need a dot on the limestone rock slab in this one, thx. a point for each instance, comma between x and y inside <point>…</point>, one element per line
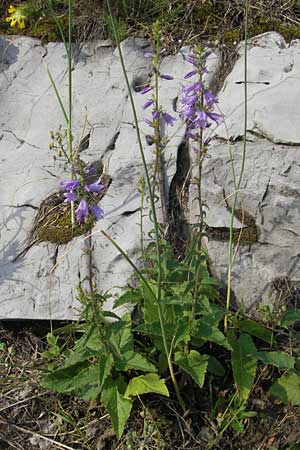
<point>273,93</point>
<point>43,283</point>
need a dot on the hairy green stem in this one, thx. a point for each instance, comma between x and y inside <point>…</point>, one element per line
<point>159,157</point>
<point>238,184</point>
<point>155,222</point>
<point>200,222</point>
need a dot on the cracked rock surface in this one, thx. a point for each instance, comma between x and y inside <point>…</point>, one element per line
<point>43,283</point>
<point>270,187</point>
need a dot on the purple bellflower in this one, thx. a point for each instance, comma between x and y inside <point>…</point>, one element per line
<point>70,196</point>
<point>97,212</point>
<point>70,185</point>
<point>148,103</point>
<point>146,89</point>
<point>94,187</point>
<point>166,77</point>
<point>198,103</point>
<point>169,120</point>
<point>82,212</point>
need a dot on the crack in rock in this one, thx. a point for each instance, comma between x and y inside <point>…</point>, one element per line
<point>21,141</point>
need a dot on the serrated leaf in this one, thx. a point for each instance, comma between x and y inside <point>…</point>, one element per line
<point>177,300</point>
<point>182,334</point>
<point>77,357</point>
<point>150,308</point>
<point>117,406</point>
<point>194,364</point>
<point>61,380</point>
<point>131,296</point>
<point>119,336</point>
<point>105,365</point>
<point>81,379</point>
<point>89,384</point>
<point>278,359</point>
<point>150,383</point>
<point>287,389</point>
<point>290,317</point>
<point>90,340</point>
<point>243,364</point>
<point>134,360</point>
<point>205,331</point>
<point>215,367</point>
<point>257,330</point>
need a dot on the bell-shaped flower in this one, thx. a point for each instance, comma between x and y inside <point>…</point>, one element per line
<point>82,212</point>
<point>166,77</point>
<point>168,119</point>
<point>97,212</point>
<point>146,89</point>
<point>148,103</point>
<point>70,185</point>
<point>201,119</point>
<point>70,197</point>
<point>94,187</point>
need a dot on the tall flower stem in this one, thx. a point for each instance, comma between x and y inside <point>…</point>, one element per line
<point>238,184</point>
<point>67,114</point>
<point>158,297</point>
<point>69,131</point>
<point>158,129</point>
<point>201,225</point>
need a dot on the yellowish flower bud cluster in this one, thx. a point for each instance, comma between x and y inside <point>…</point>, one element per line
<point>16,17</point>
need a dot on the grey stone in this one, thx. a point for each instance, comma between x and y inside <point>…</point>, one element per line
<point>43,283</point>
<point>270,185</point>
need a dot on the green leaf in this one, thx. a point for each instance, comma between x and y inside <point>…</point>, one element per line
<point>150,308</point>
<point>237,426</point>
<point>295,446</point>
<point>117,406</point>
<point>287,389</point>
<point>257,330</point>
<point>134,360</point>
<point>119,336</point>
<point>278,359</point>
<point>105,366</point>
<point>182,334</point>
<point>90,340</point>
<point>207,332</point>
<point>297,365</point>
<point>243,364</point>
<point>290,317</point>
<point>130,296</point>
<point>61,380</point>
<point>177,300</point>
<point>88,386</point>
<point>215,367</point>
<point>194,364</point>
<point>81,379</point>
<point>150,383</point>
